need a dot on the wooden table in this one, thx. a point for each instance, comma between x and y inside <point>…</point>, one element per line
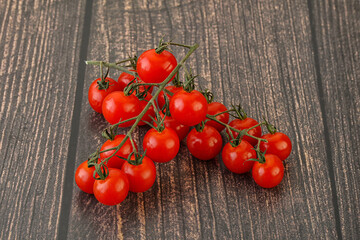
<point>295,62</point>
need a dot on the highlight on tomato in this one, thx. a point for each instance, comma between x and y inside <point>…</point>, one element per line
<point>162,144</point>
<point>205,143</point>
<point>84,177</point>
<point>99,89</point>
<point>141,173</point>
<point>155,67</point>
<point>112,190</point>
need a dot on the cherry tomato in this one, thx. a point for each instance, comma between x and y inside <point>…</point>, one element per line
<point>114,189</point>
<point>84,177</point>
<point>278,144</point>
<point>155,67</point>
<point>141,177</point>
<point>149,113</point>
<point>181,130</point>
<point>117,106</point>
<point>125,78</point>
<point>204,145</point>
<point>215,108</point>
<point>96,96</point>
<point>270,173</point>
<point>235,158</point>
<point>161,146</point>
<point>245,124</point>
<point>124,151</point>
<point>161,97</point>
<point>188,108</point>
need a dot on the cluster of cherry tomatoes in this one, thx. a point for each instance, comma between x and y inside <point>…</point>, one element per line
<point>179,112</point>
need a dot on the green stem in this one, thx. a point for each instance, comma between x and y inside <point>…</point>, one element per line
<point>112,65</point>
<point>161,87</point>
<point>234,129</point>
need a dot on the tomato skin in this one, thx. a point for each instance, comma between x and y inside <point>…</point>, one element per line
<point>204,145</point>
<point>161,97</point>
<point>235,158</point>
<point>125,78</point>
<point>141,177</point>
<point>96,96</point>
<point>155,67</point>
<point>124,151</point>
<point>270,173</point>
<point>117,106</point>
<point>161,146</point>
<point>149,113</point>
<point>188,108</point>
<point>181,130</point>
<point>114,189</point>
<point>278,144</point>
<point>84,177</point>
<point>245,124</point>
<point>215,108</point>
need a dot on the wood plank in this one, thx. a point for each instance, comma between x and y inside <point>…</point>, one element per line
<point>256,52</point>
<point>39,44</point>
<point>336,28</point>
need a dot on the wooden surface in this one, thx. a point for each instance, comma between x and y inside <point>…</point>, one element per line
<point>295,62</point>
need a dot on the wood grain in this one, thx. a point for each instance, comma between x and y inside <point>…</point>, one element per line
<point>39,44</point>
<point>258,52</point>
<point>337,35</point>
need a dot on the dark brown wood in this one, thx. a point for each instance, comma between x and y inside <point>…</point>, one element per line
<point>295,62</point>
<point>39,44</point>
<point>337,33</point>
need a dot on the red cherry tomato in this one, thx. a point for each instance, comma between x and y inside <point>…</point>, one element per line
<point>204,145</point>
<point>117,106</point>
<point>181,130</point>
<point>235,158</point>
<point>161,97</point>
<point>245,124</point>
<point>114,189</point>
<point>141,177</point>
<point>84,177</point>
<point>149,113</point>
<point>125,78</point>
<point>96,96</point>
<point>161,146</point>
<point>124,151</point>
<point>155,67</point>
<point>270,173</point>
<point>188,108</point>
<point>215,108</point>
<point>278,144</point>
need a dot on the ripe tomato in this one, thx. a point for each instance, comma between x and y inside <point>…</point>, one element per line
<point>235,158</point>
<point>84,177</point>
<point>215,108</point>
<point>161,146</point>
<point>245,124</point>
<point>141,177</point>
<point>117,106</point>
<point>188,108</point>
<point>125,78</point>
<point>161,98</point>
<point>114,189</point>
<point>181,130</point>
<point>155,67</point>
<point>270,173</point>
<point>278,144</point>
<point>96,96</point>
<point>206,144</point>
<point>149,113</point>
<point>124,151</point>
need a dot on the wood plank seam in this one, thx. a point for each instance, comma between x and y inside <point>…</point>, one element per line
<point>325,123</point>
<point>66,198</point>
